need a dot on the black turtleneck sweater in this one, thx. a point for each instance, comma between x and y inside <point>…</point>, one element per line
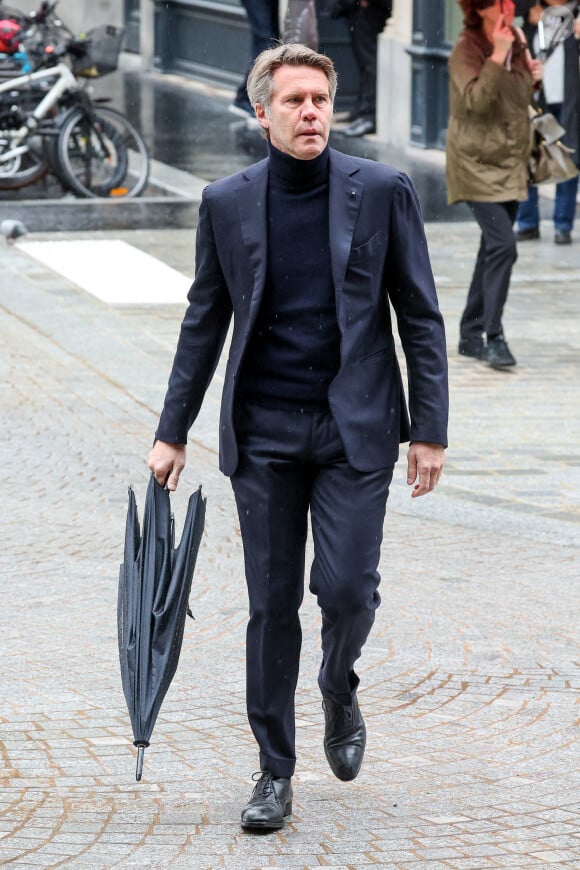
<point>294,350</point>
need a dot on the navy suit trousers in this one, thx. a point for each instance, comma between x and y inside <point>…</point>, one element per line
<point>293,462</point>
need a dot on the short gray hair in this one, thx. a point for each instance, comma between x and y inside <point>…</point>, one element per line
<point>260,84</point>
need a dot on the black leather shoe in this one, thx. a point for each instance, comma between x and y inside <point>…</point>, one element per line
<point>499,355</point>
<point>345,738</point>
<point>474,347</point>
<point>360,127</point>
<point>528,235</point>
<point>270,803</point>
<point>563,237</point>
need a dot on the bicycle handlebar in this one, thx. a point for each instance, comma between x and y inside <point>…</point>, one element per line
<point>74,47</point>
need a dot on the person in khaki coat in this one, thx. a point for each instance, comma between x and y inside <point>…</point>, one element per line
<point>491,80</point>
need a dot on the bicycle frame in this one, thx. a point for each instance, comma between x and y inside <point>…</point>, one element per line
<point>64,83</point>
<point>92,150</point>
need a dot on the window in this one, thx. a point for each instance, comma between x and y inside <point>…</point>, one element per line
<point>453,21</point>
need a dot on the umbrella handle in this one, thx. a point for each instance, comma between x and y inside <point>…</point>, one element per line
<point>140,756</point>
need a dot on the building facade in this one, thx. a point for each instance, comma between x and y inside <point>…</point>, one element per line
<point>413,99</point>
<point>81,15</point>
<point>208,40</point>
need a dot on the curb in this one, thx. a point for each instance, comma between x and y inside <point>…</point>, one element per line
<point>173,200</point>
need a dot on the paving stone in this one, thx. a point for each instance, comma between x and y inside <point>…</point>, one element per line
<point>469,680</point>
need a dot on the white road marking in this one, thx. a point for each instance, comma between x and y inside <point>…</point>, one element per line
<point>112,270</point>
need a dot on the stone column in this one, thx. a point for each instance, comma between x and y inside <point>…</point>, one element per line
<point>394,76</point>
<point>147,33</point>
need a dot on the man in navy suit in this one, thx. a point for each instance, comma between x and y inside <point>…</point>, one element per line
<point>306,250</point>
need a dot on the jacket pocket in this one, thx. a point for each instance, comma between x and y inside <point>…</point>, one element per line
<point>376,355</point>
<point>368,249</point>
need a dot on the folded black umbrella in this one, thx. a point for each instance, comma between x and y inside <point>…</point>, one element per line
<point>154,588</point>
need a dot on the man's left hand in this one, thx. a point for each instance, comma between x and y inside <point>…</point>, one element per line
<point>425,463</point>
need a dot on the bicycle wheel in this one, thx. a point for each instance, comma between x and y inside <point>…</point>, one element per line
<point>24,168</point>
<point>101,155</point>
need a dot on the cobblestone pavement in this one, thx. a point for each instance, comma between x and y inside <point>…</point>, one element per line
<point>470,678</point>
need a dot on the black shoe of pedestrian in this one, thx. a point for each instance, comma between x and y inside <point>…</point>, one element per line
<point>499,355</point>
<point>528,235</point>
<point>360,127</point>
<point>563,237</point>
<point>474,347</point>
<point>344,738</point>
<point>270,804</point>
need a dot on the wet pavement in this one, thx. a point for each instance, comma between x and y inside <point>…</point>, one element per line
<point>187,125</point>
<point>470,678</point>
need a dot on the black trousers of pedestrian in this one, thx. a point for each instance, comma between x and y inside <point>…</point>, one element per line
<point>365,23</point>
<point>293,462</point>
<point>491,277</point>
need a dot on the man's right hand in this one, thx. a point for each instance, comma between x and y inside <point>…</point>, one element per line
<point>167,461</point>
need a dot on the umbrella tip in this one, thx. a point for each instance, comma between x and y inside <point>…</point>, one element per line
<point>140,757</point>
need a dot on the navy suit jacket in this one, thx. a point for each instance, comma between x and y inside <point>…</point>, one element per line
<point>378,253</point>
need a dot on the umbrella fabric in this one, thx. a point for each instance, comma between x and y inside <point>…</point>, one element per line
<point>154,586</point>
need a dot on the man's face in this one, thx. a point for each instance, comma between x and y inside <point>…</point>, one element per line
<point>298,117</point>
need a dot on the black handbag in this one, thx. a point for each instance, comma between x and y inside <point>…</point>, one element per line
<point>550,161</point>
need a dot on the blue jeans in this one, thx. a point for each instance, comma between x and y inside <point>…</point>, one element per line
<point>564,206</point>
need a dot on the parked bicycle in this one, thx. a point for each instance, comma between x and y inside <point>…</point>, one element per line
<point>50,122</point>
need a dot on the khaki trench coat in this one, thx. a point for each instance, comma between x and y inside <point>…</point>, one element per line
<point>488,137</point>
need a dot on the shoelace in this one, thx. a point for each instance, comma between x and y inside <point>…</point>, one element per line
<point>264,783</point>
<point>338,712</point>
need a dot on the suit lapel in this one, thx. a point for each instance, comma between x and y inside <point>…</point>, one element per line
<point>251,196</point>
<point>345,197</point>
